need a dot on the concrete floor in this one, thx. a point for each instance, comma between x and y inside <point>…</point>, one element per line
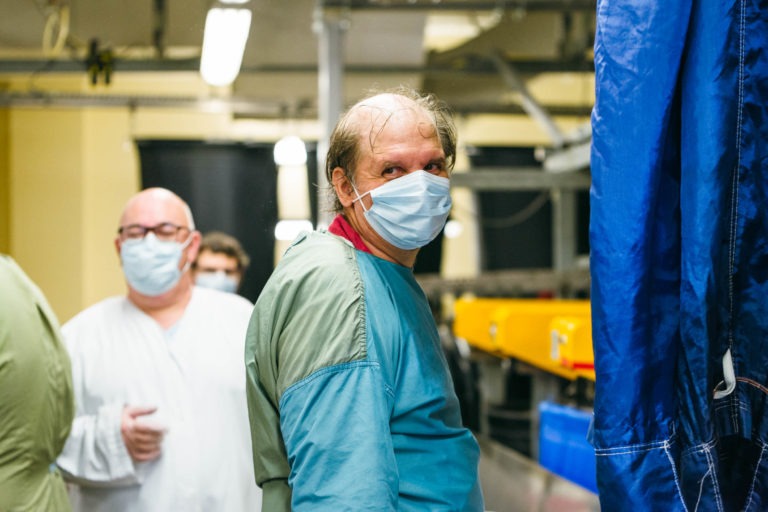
<point>513,483</point>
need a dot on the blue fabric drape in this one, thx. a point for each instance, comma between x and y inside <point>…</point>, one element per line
<point>679,254</point>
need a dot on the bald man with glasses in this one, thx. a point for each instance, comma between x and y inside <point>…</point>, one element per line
<point>161,421</point>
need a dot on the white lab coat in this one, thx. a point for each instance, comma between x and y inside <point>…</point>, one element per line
<point>194,374</point>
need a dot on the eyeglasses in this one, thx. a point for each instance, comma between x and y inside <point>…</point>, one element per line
<point>163,231</point>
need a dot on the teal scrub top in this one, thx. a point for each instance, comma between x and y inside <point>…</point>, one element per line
<point>350,398</point>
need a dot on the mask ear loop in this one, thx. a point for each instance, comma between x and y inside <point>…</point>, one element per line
<point>359,197</point>
<point>184,246</point>
<point>187,242</point>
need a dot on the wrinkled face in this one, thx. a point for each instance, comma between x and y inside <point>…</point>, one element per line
<point>209,261</point>
<point>397,137</point>
<point>398,145</point>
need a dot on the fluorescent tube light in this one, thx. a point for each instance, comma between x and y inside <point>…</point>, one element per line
<point>226,31</point>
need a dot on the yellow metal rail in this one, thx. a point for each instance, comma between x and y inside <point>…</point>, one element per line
<point>552,334</point>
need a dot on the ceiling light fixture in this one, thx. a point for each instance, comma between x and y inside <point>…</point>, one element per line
<point>226,32</point>
<point>290,150</point>
<point>287,230</point>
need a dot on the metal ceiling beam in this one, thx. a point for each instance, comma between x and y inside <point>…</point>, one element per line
<point>513,109</point>
<point>470,66</point>
<point>534,109</point>
<point>261,109</point>
<point>506,283</point>
<point>330,30</point>
<point>79,66</point>
<point>499,180</point>
<point>241,107</point>
<point>462,5</point>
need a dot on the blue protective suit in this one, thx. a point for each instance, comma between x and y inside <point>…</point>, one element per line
<point>351,402</point>
<point>679,255</point>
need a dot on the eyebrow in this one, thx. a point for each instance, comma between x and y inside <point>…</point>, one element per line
<point>442,160</point>
<point>386,164</point>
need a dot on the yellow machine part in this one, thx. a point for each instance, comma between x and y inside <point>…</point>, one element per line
<point>554,335</point>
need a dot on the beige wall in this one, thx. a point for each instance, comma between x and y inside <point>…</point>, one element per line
<point>71,170</point>
<point>65,174</point>
<point>110,177</point>
<point>46,189</point>
<point>5,184</point>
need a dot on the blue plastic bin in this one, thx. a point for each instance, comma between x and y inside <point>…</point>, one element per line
<point>563,446</point>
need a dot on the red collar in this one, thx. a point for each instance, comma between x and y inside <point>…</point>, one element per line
<point>340,227</point>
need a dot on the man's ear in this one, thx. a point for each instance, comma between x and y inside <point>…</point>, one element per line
<point>343,187</point>
<point>117,248</point>
<point>194,246</point>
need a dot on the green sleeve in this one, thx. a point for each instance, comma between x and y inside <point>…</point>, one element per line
<point>310,315</point>
<point>38,406</point>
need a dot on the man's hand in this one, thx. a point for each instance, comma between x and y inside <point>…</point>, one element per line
<point>142,439</point>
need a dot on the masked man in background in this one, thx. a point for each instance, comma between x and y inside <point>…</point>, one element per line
<point>161,420</point>
<point>351,403</point>
<point>221,262</point>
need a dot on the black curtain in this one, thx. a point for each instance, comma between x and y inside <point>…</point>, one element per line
<point>430,256</point>
<point>230,187</point>
<point>508,244</point>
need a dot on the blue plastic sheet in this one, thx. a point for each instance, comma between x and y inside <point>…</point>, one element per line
<point>679,254</point>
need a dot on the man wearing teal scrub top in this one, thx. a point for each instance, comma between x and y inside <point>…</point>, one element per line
<point>350,399</point>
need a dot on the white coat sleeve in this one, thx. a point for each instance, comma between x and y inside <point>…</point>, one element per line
<point>95,454</point>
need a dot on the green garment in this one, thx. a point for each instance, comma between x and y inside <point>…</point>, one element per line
<point>350,398</point>
<point>36,400</point>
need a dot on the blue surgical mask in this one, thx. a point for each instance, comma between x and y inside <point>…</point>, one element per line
<point>218,280</point>
<point>151,266</point>
<point>410,211</point>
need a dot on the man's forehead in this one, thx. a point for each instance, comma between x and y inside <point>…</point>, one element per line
<point>375,125</point>
<point>210,257</point>
<point>385,109</point>
<point>153,209</point>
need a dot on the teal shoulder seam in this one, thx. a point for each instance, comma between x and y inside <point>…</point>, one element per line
<point>362,310</point>
<point>338,368</point>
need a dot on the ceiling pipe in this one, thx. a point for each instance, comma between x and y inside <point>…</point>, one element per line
<point>240,107</point>
<point>330,27</point>
<point>480,66</point>
<point>158,30</point>
<point>529,103</point>
<point>410,5</point>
